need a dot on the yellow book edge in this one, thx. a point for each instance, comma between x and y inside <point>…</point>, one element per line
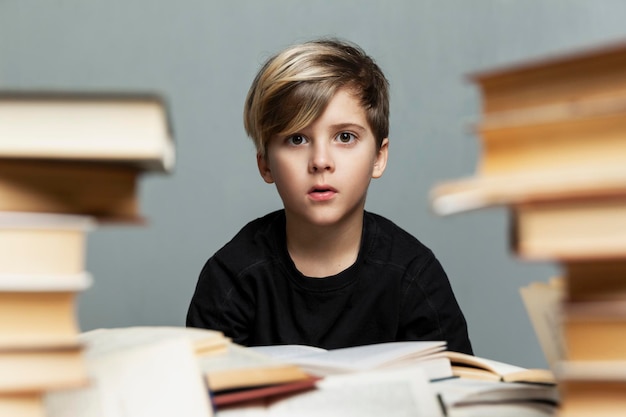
<point>469,366</point>
<point>481,191</point>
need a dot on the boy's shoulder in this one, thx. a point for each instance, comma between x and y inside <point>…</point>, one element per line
<point>392,241</point>
<point>269,224</point>
<point>256,240</point>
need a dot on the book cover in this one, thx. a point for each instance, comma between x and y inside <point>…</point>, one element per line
<point>127,128</point>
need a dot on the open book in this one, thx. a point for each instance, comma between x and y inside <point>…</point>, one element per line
<point>424,354</point>
<point>392,393</point>
<point>471,397</point>
<point>475,367</point>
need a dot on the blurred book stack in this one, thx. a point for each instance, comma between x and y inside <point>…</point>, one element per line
<point>68,162</point>
<point>553,138</point>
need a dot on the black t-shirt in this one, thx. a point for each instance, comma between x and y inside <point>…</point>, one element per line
<point>396,290</point>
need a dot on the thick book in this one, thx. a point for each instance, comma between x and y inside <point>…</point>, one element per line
<point>39,310</point>
<point>569,76</point>
<point>476,367</point>
<point>581,137</point>
<point>424,354</point>
<point>592,388</point>
<point>477,192</point>
<point>122,128</point>
<point>107,191</point>
<point>43,243</point>
<point>565,229</point>
<point>28,369</point>
<point>24,404</point>
<point>595,280</point>
<point>594,330</point>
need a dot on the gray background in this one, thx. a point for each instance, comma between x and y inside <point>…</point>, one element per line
<point>202,55</point>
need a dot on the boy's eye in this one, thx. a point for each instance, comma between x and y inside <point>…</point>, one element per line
<point>346,137</point>
<point>296,140</point>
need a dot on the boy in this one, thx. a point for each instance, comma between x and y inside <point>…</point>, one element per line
<point>323,271</point>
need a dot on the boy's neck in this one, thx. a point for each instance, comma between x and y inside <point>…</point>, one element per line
<point>322,251</point>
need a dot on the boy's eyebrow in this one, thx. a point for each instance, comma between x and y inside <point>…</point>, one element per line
<point>354,126</point>
<point>334,127</point>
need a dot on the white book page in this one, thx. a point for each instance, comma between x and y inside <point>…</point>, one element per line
<point>461,391</point>
<point>285,352</point>
<point>502,368</point>
<point>427,355</point>
<point>360,358</point>
<point>239,357</point>
<point>504,410</point>
<point>159,379</point>
<point>499,368</point>
<point>389,393</point>
<point>105,340</point>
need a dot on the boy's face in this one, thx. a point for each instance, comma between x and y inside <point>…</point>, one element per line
<point>323,171</point>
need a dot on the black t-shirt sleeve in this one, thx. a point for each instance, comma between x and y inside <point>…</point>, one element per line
<point>220,302</point>
<point>430,310</point>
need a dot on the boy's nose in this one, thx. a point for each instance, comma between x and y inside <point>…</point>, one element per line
<point>321,159</point>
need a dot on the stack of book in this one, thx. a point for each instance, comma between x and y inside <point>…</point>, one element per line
<point>553,136</point>
<point>41,271</point>
<point>67,163</point>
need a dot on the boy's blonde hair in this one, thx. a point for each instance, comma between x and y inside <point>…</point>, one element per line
<point>294,87</point>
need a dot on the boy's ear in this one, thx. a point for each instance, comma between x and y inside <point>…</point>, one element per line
<point>264,168</point>
<point>381,159</point>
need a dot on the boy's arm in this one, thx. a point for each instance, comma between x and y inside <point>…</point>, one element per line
<point>219,303</point>
<point>431,311</point>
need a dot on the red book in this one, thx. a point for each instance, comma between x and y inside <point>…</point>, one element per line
<point>227,398</point>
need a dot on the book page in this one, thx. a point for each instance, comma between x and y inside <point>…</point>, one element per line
<point>159,379</point>
<point>475,367</point>
<point>84,402</point>
<point>285,352</point>
<point>498,368</point>
<point>317,361</point>
<point>523,409</point>
<point>542,302</point>
<point>389,393</point>
<point>240,357</point>
<point>104,340</point>
<point>460,391</point>
<point>367,357</point>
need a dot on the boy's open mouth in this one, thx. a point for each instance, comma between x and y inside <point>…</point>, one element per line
<point>321,193</point>
<point>322,189</point>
